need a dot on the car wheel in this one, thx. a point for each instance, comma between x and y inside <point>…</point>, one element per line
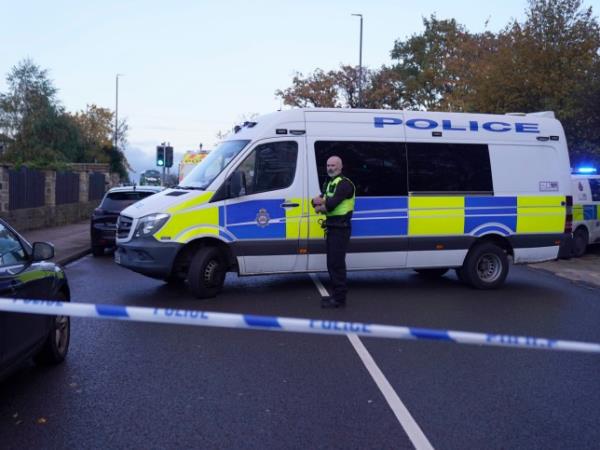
<point>207,272</point>
<point>431,273</point>
<point>485,266</point>
<point>580,242</point>
<point>97,250</point>
<point>56,345</point>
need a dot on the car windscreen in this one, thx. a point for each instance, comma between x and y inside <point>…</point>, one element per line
<point>211,166</point>
<point>118,201</point>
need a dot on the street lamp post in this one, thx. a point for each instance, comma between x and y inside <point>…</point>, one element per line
<point>117,111</point>
<point>360,61</point>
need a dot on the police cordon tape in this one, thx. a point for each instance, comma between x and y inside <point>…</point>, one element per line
<point>289,324</point>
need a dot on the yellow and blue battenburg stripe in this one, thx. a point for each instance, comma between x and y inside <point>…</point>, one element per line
<point>586,212</point>
<point>490,215</point>
<point>384,217</point>
<point>375,216</point>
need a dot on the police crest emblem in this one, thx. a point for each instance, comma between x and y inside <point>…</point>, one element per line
<point>262,218</point>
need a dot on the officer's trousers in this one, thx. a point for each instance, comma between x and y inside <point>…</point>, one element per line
<point>337,245</point>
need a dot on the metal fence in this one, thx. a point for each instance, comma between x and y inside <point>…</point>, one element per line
<point>67,188</point>
<point>26,188</point>
<point>96,186</point>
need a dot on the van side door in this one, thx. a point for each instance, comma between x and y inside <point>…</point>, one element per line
<point>377,169</point>
<point>265,205</point>
<point>594,209</point>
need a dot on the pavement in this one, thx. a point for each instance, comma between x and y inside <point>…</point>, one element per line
<point>585,269</point>
<point>70,242</point>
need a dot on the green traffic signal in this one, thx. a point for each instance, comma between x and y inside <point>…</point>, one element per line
<point>160,156</point>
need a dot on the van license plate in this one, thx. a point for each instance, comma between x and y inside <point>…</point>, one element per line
<point>117,257</point>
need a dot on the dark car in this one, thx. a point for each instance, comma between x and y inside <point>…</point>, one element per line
<point>26,273</point>
<point>104,218</point>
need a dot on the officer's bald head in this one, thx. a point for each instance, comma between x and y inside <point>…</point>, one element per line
<point>334,166</point>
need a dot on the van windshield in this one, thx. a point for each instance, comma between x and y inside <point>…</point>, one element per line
<point>211,166</point>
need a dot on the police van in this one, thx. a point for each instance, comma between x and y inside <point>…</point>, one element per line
<point>434,191</point>
<point>586,209</point>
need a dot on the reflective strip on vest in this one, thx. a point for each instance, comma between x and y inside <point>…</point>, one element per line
<point>346,205</point>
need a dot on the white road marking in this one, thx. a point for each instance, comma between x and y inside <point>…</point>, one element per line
<point>319,285</point>
<point>408,423</point>
<point>411,427</point>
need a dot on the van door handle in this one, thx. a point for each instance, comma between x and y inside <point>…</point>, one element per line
<point>289,205</point>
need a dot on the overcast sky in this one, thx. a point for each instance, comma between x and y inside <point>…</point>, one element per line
<point>193,68</point>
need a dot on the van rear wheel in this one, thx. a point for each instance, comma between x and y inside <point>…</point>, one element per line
<point>207,272</point>
<point>485,266</point>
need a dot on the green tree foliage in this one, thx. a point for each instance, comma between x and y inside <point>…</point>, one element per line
<point>97,127</point>
<point>550,62</point>
<point>45,135</point>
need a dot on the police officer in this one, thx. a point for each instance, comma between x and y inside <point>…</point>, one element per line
<point>337,203</point>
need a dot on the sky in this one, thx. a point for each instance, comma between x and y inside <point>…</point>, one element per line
<point>194,68</point>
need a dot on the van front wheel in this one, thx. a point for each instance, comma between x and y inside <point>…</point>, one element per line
<point>207,272</point>
<point>486,266</point>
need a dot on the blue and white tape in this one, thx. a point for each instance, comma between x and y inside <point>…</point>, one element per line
<point>317,326</point>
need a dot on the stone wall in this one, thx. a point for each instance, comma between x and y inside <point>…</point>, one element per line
<point>51,215</point>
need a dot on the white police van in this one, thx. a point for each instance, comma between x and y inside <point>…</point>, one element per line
<point>586,209</point>
<point>434,191</point>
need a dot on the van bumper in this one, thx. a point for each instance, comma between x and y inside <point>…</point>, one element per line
<point>148,257</point>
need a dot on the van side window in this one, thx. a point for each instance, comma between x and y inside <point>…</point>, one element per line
<point>375,168</point>
<point>595,188</point>
<point>449,168</point>
<point>269,167</point>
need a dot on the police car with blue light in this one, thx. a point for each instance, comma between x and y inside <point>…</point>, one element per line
<point>434,191</point>
<point>586,209</point>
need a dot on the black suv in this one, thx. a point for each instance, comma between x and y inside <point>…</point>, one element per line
<point>26,273</point>
<point>104,218</point>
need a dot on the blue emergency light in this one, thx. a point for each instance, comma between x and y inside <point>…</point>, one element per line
<point>586,170</point>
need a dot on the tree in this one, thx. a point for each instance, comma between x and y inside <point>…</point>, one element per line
<point>549,62</point>
<point>318,89</point>
<point>97,126</point>
<point>45,135</point>
<point>427,64</point>
<point>30,92</point>
<point>339,88</point>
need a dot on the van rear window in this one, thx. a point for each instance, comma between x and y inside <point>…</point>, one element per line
<point>449,168</point>
<point>118,201</point>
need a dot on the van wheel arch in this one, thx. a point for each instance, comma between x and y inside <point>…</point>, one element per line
<point>497,239</point>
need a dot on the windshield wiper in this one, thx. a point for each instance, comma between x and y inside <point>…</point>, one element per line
<point>190,188</point>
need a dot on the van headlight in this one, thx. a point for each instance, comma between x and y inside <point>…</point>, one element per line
<point>150,224</point>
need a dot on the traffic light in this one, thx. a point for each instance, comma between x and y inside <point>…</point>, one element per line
<point>160,156</point>
<point>168,156</point>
